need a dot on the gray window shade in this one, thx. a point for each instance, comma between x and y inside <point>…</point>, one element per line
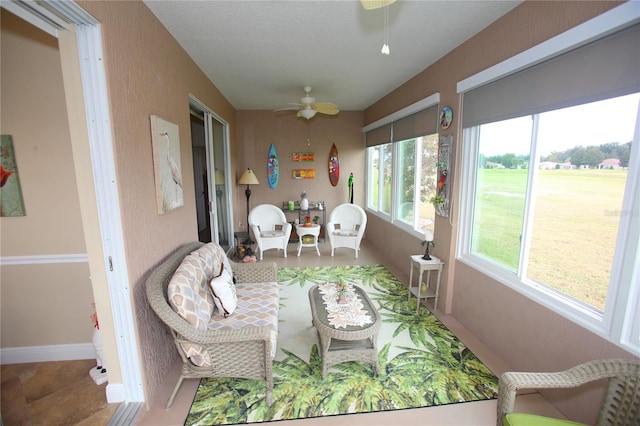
<point>602,69</point>
<point>421,123</point>
<point>379,136</point>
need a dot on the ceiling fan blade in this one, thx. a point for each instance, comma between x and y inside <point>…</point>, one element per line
<point>327,105</point>
<point>375,4</point>
<point>326,108</point>
<point>286,109</point>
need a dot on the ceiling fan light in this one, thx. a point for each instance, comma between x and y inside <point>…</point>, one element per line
<point>307,113</point>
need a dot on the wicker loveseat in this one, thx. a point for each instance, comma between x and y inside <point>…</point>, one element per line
<point>210,343</point>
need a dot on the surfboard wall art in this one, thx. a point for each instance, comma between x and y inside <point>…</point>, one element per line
<point>334,165</point>
<point>273,169</point>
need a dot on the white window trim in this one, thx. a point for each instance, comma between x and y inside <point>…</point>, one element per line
<point>620,322</point>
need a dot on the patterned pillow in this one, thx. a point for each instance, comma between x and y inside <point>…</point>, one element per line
<point>189,297</point>
<point>224,293</point>
<point>212,256</point>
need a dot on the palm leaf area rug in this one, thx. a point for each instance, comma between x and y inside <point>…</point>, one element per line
<point>422,363</point>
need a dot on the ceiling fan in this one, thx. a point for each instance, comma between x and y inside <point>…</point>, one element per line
<point>308,107</point>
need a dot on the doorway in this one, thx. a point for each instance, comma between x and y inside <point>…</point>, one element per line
<point>209,141</point>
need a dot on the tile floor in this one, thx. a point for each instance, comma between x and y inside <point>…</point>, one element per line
<point>53,393</point>
<point>62,393</point>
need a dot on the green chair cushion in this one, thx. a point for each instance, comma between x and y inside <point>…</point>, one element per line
<point>520,419</point>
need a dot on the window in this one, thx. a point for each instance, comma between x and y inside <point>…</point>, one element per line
<point>571,197</point>
<point>415,181</point>
<point>401,169</point>
<point>551,181</point>
<point>380,178</point>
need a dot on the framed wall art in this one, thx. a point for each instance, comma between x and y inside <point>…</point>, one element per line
<point>11,202</point>
<point>304,174</point>
<point>303,156</point>
<point>165,139</point>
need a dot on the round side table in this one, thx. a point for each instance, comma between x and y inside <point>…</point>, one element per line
<point>313,230</point>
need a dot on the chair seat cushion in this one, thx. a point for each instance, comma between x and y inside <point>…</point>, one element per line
<point>271,234</point>
<point>258,305</point>
<point>521,419</point>
<point>345,232</point>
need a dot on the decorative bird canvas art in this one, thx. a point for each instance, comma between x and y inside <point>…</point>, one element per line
<point>165,139</point>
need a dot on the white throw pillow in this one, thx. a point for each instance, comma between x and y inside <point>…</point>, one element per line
<point>224,293</point>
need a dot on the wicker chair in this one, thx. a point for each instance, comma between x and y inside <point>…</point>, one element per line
<point>244,352</point>
<point>622,401</point>
<point>346,226</point>
<point>270,228</point>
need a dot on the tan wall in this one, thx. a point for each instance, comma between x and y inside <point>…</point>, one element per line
<point>148,73</point>
<point>43,304</point>
<point>257,130</point>
<point>525,335</point>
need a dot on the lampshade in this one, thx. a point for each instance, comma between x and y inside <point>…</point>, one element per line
<point>248,178</point>
<point>428,235</point>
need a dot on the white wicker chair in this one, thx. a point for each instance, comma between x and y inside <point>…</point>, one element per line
<point>621,406</point>
<point>270,228</point>
<point>346,226</point>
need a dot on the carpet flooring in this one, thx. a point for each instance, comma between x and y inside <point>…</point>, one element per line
<point>422,363</point>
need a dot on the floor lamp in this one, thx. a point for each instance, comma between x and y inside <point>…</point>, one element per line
<point>248,178</point>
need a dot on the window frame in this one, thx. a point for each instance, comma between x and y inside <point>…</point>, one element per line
<point>392,216</point>
<point>620,321</point>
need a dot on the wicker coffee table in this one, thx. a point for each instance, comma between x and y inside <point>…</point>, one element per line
<point>349,343</point>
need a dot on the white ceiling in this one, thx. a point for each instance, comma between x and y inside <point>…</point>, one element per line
<point>260,54</point>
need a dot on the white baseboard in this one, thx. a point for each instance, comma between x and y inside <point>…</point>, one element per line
<point>115,392</point>
<point>24,354</point>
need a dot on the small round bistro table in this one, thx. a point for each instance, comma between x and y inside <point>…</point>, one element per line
<point>304,230</point>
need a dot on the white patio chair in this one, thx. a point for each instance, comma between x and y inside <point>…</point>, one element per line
<point>346,226</point>
<point>270,228</point>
